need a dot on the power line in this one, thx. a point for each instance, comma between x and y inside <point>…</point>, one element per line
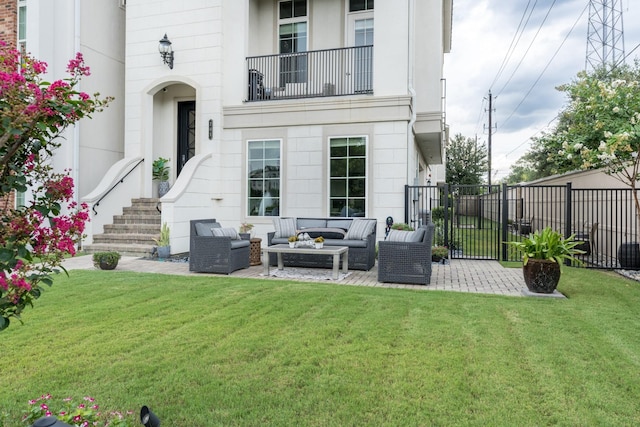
<point>516,39</point>
<point>528,48</point>
<point>480,114</point>
<point>546,67</point>
<point>534,134</point>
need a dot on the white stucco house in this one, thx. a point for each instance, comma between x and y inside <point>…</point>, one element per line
<point>303,108</point>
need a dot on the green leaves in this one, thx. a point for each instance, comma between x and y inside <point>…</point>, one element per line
<point>548,245</point>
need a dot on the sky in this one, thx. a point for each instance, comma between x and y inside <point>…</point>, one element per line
<point>521,68</point>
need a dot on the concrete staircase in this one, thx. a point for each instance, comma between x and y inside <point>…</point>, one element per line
<point>131,233</point>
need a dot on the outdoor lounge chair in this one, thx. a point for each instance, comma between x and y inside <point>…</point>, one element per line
<point>215,254</point>
<point>406,262</point>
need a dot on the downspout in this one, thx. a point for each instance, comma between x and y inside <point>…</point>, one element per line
<point>410,88</point>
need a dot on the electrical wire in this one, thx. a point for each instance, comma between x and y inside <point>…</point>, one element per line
<point>514,41</point>
<point>546,67</point>
<point>528,48</point>
<point>534,134</point>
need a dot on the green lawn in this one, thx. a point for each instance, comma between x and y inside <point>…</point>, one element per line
<point>203,351</point>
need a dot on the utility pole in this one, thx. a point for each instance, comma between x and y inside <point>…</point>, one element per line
<point>489,139</point>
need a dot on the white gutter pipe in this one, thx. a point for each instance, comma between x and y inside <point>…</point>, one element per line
<point>410,88</point>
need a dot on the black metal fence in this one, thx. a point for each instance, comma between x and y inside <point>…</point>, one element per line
<point>476,221</point>
<point>329,72</point>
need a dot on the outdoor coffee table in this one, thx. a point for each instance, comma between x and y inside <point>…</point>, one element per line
<point>334,251</point>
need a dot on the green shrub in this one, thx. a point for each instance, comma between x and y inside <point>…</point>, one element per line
<point>401,226</point>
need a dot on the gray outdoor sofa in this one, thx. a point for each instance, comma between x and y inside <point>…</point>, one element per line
<point>407,261</point>
<point>361,241</point>
<point>215,254</point>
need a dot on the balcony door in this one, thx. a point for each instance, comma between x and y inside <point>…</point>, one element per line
<point>292,32</point>
<point>361,34</point>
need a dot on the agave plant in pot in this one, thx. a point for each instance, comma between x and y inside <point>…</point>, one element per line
<point>164,242</point>
<point>543,252</point>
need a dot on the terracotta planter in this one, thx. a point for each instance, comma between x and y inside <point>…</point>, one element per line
<point>541,276</point>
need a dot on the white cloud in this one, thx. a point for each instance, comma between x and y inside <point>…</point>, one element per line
<point>482,33</point>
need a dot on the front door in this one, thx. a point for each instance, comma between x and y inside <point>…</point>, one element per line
<point>186,132</point>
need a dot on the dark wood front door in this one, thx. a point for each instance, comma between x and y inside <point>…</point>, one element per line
<point>186,132</point>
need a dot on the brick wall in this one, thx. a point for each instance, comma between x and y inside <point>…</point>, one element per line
<point>8,34</point>
<point>9,21</point>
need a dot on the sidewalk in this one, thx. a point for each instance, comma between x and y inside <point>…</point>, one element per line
<point>476,276</point>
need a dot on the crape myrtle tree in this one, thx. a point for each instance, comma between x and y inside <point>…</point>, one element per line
<point>603,125</point>
<point>589,113</point>
<point>34,113</point>
<point>466,161</point>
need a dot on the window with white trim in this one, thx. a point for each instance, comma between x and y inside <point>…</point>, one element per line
<point>263,177</point>
<point>358,5</point>
<point>292,33</point>
<point>22,25</point>
<point>348,176</point>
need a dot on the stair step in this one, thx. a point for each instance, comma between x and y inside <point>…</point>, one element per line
<point>133,232</point>
<point>132,228</point>
<point>137,219</point>
<point>127,250</point>
<point>127,238</point>
<point>137,210</point>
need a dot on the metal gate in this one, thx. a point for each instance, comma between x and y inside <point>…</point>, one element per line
<point>476,221</point>
<point>467,217</point>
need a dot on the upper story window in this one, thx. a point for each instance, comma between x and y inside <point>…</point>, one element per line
<point>293,40</point>
<point>358,5</point>
<point>293,9</point>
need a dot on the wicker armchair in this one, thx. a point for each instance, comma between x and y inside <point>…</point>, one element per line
<point>406,262</point>
<point>209,254</point>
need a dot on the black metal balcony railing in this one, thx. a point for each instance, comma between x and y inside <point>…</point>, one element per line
<point>330,72</point>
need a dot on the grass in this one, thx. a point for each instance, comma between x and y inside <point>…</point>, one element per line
<point>484,242</point>
<point>203,351</point>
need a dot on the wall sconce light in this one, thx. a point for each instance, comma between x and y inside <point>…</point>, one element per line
<point>166,52</point>
<point>148,418</point>
<point>210,129</point>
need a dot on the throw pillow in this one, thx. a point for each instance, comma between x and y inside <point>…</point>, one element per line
<point>285,227</point>
<point>226,232</point>
<point>204,228</point>
<point>327,233</point>
<point>406,236</point>
<point>360,229</point>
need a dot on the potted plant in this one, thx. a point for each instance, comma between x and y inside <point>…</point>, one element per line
<point>160,173</point>
<point>106,260</point>
<point>543,252</point>
<point>292,241</point>
<point>319,242</point>
<point>163,242</point>
<point>439,253</point>
<point>245,231</point>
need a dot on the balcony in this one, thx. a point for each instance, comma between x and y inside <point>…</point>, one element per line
<point>320,73</point>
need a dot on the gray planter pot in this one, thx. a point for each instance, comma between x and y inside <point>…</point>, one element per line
<point>164,251</point>
<point>163,188</point>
